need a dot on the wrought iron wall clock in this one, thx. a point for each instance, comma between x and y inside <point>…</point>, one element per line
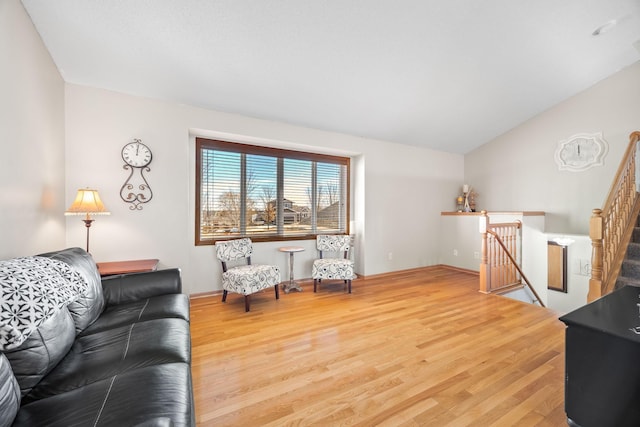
<point>136,189</point>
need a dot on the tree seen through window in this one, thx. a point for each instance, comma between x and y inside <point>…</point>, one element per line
<point>268,194</point>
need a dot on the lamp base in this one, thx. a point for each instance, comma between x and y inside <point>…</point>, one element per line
<point>87,223</point>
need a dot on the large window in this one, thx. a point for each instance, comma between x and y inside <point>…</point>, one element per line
<point>267,193</point>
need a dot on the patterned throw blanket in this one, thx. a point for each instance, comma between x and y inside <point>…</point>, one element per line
<point>32,289</point>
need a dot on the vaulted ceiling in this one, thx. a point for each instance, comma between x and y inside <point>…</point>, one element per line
<point>448,74</point>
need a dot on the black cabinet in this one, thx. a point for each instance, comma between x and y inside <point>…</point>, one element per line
<point>602,378</point>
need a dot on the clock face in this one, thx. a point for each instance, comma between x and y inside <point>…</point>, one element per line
<point>136,154</point>
<point>579,152</point>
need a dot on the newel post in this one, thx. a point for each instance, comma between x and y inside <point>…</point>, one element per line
<point>485,279</point>
<point>597,255</point>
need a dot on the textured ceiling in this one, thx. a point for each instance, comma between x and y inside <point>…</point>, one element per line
<point>449,75</point>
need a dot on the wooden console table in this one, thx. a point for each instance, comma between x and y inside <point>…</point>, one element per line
<point>124,267</point>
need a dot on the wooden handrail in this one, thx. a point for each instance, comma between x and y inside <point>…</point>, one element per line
<point>628,154</point>
<point>611,227</point>
<point>506,251</point>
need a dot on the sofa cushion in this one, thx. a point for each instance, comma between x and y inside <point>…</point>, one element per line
<point>32,289</point>
<point>163,306</point>
<point>86,309</point>
<point>127,399</point>
<point>42,351</point>
<point>115,351</point>
<point>9,393</point>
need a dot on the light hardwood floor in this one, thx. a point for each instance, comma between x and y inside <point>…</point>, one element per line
<point>415,348</point>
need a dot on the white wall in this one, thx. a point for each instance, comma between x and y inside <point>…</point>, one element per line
<point>399,189</point>
<point>31,139</point>
<point>517,171</point>
<point>460,241</point>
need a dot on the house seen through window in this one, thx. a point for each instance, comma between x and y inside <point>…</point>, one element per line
<point>268,194</point>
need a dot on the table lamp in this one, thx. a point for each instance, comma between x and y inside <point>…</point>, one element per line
<point>87,202</point>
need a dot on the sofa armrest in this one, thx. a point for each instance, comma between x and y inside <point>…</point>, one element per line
<point>125,288</point>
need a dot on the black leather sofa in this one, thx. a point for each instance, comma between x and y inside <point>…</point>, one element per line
<point>118,355</point>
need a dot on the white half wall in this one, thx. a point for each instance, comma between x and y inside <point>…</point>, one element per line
<point>399,190</point>
<point>31,139</point>
<point>460,241</point>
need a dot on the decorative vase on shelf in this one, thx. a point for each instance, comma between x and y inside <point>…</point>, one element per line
<point>472,201</point>
<point>467,206</point>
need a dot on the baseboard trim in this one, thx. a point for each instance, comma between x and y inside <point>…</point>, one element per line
<point>460,269</point>
<point>363,277</point>
<point>418,269</point>
<point>205,294</point>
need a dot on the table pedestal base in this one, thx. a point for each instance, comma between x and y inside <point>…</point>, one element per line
<point>290,286</point>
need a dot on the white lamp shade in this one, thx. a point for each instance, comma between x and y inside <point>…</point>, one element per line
<point>87,202</point>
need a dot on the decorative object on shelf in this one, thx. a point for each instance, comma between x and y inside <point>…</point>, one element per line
<point>472,200</point>
<point>466,202</point>
<point>136,189</point>
<point>87,202</point>
<point>581,152</point>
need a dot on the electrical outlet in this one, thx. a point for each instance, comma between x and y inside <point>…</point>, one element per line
<point>582,267</point>
<point>455,252</point>
<point>390,256</point>
<point>476,255</point>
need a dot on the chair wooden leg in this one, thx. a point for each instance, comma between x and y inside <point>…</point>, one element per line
<point>247,302</point>
<point>315,285</point>
<point>277,291</point>
<point>349,285</point>
<point>224,296</point>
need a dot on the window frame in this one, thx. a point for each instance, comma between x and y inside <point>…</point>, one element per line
<point>249,149</point>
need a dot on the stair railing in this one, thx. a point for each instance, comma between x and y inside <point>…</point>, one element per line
<point>499,269</point>
<point>610,228</point>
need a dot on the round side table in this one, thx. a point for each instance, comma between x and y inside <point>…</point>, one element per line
<point>291,284</point>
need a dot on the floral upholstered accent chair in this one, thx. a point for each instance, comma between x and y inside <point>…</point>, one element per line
<point>244,279</point>
<point>333,268</point>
